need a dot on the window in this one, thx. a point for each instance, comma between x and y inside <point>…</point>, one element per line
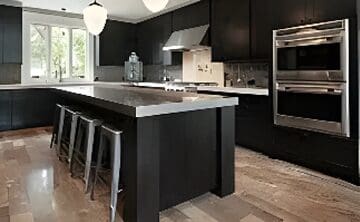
<point>39,50</point>
<point>58,52</point>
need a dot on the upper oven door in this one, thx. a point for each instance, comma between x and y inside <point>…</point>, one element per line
<point>315,58</point>
<point>322,57</point>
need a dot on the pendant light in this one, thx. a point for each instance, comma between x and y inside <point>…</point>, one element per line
<point>155,5</point>
<point>95,16</point>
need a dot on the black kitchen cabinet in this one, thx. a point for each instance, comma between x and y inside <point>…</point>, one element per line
<point>253,123</point>
<point>152,35</point>
<point>290,13</point>
<point>191,16</point>
<point>11,34</point>
<point>116,42</point>
<point>332,155</point>
<point>230,30</point>
<point>261,27</point>
<point>326,10</point>
<point>32,108</point>
<point>5,110</point>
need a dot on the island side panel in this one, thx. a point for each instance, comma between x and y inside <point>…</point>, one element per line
<point>188,160</point>
<point>225,151</point>
<point>141,164</point>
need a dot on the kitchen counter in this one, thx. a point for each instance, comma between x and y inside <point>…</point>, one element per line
<point>233,90</point>
<point>141,102</point>
<point>230,90</point>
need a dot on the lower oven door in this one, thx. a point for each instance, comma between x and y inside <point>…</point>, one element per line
<point>318,107</point>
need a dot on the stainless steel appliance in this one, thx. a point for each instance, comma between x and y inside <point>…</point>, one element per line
<point>311,77</point>
<point>133,69</point>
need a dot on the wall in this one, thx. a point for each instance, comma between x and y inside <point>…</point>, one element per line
<point>10,73</point>
<point>197,67</point>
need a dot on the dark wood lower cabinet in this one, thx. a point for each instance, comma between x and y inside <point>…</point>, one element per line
<point>5,110</point>
<point>26,108</point>
<point>254,129</point>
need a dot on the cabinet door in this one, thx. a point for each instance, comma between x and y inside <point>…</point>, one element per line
<point>230,30</point>
<point>161,28</point>
<point>327,10</point>
<point>39,105</point>
<point>12,35</point>
<point>289,13</point>
<point>254,123</point>
<point>2,8</point>
<point>152,36</point>
<point>191,16</point>
<point>5,110</point>
<point>144,39</point>
<point>262,25</point>
<point>116,43</point>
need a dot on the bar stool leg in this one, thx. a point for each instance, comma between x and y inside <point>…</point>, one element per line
<point>74,121</point>
<point>102,145</point>
<point>60,130</point>
<point>77,147</point>
<point>116,163</point>
<point>89,153</point>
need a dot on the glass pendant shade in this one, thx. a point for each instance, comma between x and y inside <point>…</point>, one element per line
<point>95,16</point>
<point>155,5</point>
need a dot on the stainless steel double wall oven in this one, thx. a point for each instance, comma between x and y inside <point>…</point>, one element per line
<point>311,77</point>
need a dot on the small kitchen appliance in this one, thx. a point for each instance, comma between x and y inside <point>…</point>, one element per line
<point>133,69</point>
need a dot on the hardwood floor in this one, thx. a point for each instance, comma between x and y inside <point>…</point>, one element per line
<point>35,186</point>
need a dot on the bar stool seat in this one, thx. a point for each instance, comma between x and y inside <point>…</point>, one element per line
<point>87,138</point>
<point>110,138</point>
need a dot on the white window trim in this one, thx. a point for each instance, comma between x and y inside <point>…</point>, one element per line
<point>53,20</point>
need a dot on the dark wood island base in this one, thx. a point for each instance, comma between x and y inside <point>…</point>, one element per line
<point>171,158</point>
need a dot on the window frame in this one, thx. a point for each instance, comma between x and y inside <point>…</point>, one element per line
<point>70,23</point>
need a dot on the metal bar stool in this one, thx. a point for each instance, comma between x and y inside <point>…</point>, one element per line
<point>110,138</point>
<point>86,139</point>
<point>67,131</point>
<point>55,125</point>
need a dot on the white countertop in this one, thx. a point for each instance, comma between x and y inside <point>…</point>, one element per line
<point>233,90</point>
<point>230,90</point>
<point>142,102</point>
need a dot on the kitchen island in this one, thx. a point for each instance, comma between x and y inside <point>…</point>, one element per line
<point>176,146</point>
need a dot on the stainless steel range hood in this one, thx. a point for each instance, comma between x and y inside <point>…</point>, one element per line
<point>187,39</point>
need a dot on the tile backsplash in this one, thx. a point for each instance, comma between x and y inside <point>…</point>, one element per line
<point>152,73</point>
<point>10,73</point>
<point>248,75</point>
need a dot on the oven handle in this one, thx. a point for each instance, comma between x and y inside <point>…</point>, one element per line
<point>310,89</point>
<point>319,40</point>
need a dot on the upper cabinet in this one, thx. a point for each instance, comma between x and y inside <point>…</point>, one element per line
<point>191,16</point>
<point>261,26</point>
<point>10,35</point>
<point>289,13</point>
<point>151,37</point>
<point>230,29</point>
<point>325,10</point>
<point>153,34</point>
<point>115,43</point>
<point>242,29</point>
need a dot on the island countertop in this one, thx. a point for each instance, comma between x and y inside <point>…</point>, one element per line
<point>143,102</point>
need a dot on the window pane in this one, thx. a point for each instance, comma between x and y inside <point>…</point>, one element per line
<point>59,52</point>
<point>78,52</point>
<point>39,50</point>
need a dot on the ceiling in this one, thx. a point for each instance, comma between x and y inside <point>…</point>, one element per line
<point>126,10</point>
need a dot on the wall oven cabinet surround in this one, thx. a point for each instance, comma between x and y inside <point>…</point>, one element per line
<point>311,77</point>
